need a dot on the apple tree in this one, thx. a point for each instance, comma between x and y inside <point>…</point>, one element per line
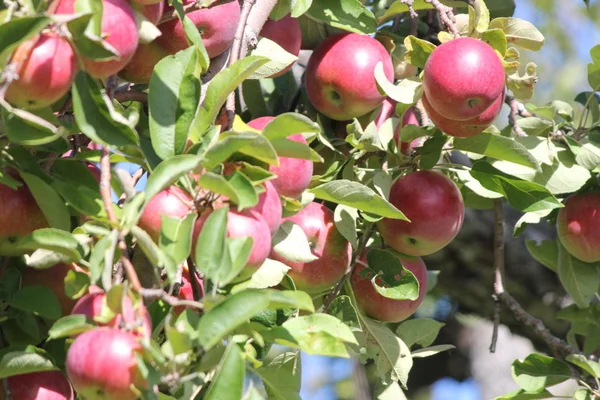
<point>287,202</point>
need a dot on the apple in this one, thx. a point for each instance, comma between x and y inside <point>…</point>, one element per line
<point>119,29</point>
<point>433,204</point>
<point>141,66</point>
<point>462,78</point>
<point>293,174</point>
<point>94,170</point>
<point>462,129</point>
<point>19,216</point>
<point>54,279</point>
<point>46,66</point>
<point>45,385</point>
<point>101,364</point>
<point>409,118</point>
<point>578,226</point>
<point>331,248</point>
<point>269,206</point>
<point>382,308</point>
<point>186,291</point>
<point>287,34</point>
<point>91,306</point>
<point>217,25</point>
<point>172,201</point>
<point>340,80</point>
<point>246,223</point>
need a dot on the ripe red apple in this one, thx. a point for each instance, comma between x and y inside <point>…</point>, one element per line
<point>333,250</point>
<point>46,66</point>
<point>141,66</point>
<point>467,128</point>
<point>578,226</point>
<point>217,25</point>
<point>382,308</point>
<point>94,170</point>
<point>435,208</point>
<point>340,79</point>
<point>101,364</point>
<point>186,291</point>
<point>54,279</point>
<point>410,118</point>
<point>269,206</point>
<point>171,202</point>
<point>119,29</point>
<point>91,306</point>
<point>287,34</point>
<point>241,224</point>
<point>462,78</point>
<point>293,174</point>
<point>45,385</point>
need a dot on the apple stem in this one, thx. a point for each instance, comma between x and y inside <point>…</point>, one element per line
<point>516,108</point>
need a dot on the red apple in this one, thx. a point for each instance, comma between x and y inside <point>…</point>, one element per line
<point>293,174</point>
<point>94,170</point>
<point>91,306</point>
<point>269,206</point>
<point>101,364</point>
<point>119,29</point>
<point>435,208</point>
<point>382,308</point>
<point>410,118</point>
<point>141,66</point>
<point>46,67</point>
<point>333,250</point>
<point>186,292</point>
<point>46,385</point>
<point>468,128</point>
<point>19,216</point>
<point>340,79</point>
<point>54,279</point>
<point>462,78</point>
<point>173,202</point>
<point>578,226</point>
<point>287,34</point>
<point>241,224</point>
<point>217,25</point>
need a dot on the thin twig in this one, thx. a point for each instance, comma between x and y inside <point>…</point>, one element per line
<point>193,279</point>
<point>446,16</point>
<point>131,95</point>
<point>516,108</point>
<point>411,10</point>
<point>498,267</point>
<point>105,190</point>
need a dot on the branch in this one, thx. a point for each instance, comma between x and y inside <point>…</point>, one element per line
<point>516,108</point>
<point>131,95</point>
<point>446,16</point>
<point>193,280</point>
<point>498,267</point>
<point>411,10</point>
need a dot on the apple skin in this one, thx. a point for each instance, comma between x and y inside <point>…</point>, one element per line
<point>120,30</point>
<point>101,364</point>
<point>240,224</point>
<point>435,207</point>
<point>578,226</point>
<point>382,308</point>
<point>19,216</point>
<point>45,385</point>
<point>333,250</point>
<point>269,206</point>
<point>217,25</point>
<point>46,66</point>
<point>141,66</point>
<point>91,304</point>
<point>293,174</point>
<point>340,80</point>
<point>462,78</point>
<point>287,34</point>
<point>463,129</point>
<point>54,279</point>
<point>409,118</point>
<point>186,292</point>
<point>167,202</point>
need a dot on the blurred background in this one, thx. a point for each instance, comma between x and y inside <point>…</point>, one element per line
<point>462,297</point>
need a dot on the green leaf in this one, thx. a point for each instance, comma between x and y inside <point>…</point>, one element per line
<point>248,143</point>
<point>294,7</point>
<point>499,147</point>
<point>279,58</point>
<point>587,153</point>
<point>419,331</point>
<point>357,195</point>
<point>17,30</point>
<point>21,362</point>
<point>349,15</point>
<point>431,151</point>
<point>244,189</point>
<point>38,300</point>
<point>537,372</point>
<point>417,51</point>
<point>52,239</point>
<point>407,91</point>
<point>270,274</point>
<point>342,309</point>
<point>211,247</point>
<point>546,253</point>
<point>76,284</point>
<point>173,99</point>
<point>291,242</point>
<point>583,394</point>
<point>96,117</point>
<point>535,126</point>
<point>578,278</point>
<point>31,128</point>
<point>169,171</point>
<point>282,376</point>
<point>479,17</point>
<point>591,367</point>
<point>523,395</point>
<point>151,250</point>
<point>218,184</point>
<point>397,282</point>
<point>432,351</point>
<point>176,236</point>
<point>519,32</point>
<point>389,391</point>
<point>288,124</point>
<point>321,334</point>
<point>345,221</point>
<point>52,205</point>
<point>228,382</point>
<point>70,325</point>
